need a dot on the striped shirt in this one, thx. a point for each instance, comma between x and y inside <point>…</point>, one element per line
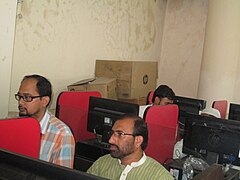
<point>57,141</point>
<point>110,168</point>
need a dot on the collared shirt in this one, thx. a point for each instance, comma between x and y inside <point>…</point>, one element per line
<point>44,122</point>
<point>57,141</point>
<point>142,110</point>
<point>145,168</point>
<point>128,168</point>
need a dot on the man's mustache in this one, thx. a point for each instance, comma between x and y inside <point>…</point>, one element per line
<point>115,146</point>
<point>23,109</point>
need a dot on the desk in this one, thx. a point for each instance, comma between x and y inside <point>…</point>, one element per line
<point>177,164</point>
<point>86,152</point>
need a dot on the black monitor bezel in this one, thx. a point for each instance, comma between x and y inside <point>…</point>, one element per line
<point>198,104</point>
<point>37,169</point>
<point>218,127</point>
<point>234,110</point>
<point>102,109</point>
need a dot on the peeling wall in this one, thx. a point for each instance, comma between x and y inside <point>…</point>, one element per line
<point>61,39</point>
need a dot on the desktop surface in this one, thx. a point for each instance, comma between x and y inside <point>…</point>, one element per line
<point>88,151</point>
<point>176,168</point>
<point>91,150</point>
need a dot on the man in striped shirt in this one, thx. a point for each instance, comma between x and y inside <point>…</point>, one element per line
<point>57,141</point>
<point>127,159</point>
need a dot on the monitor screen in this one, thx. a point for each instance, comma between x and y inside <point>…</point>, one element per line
<point>217,140</point>
<point>16,166</point>
<point>188,105</point>
<point>234,112</point>
<point>102,113</point>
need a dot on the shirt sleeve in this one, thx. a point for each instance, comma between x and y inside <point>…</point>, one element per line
<point>93,169</point>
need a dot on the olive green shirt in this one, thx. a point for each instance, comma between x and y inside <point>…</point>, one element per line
<point>110,168</point>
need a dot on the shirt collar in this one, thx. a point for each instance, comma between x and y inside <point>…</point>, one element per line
<point>128,168</point>
<point>138,163</point>
<point>44,122</point>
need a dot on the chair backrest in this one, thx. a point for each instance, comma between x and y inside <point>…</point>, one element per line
<point>72,109</point>
<point>162,128</point>
<point>222,106</point>
<point>149,97</point>
<point>20,135</point>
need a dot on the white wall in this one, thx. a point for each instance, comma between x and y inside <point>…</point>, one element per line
<point>221,58</point>
<point>62,39</point>
<point>182,45</point>
<point>7,28</point>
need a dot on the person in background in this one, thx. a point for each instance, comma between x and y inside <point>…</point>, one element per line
<point>178,154</point>
<point>211,112</point>
<point>163,95</point>
<point>127,159</point>
<point>57,141</point>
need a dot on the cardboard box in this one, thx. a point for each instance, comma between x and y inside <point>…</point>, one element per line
<point>106,86</point>
<point>134,78</point>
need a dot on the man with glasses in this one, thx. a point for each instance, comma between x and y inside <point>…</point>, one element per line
<point>127,160</point>
<point>57,141</point>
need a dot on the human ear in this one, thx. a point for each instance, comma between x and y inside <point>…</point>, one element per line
<point>138,141</point>
<point>45,100</point>
<point>157,101</point>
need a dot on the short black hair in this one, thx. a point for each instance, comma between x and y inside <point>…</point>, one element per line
<point>140,128</point>
<point>43,85</point>
<point>163,91</point>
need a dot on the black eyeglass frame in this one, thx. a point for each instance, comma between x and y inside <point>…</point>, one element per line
<point>121,134</point>
<point>18,97</point>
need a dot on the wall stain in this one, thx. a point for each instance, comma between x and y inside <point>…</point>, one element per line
<point>129,26</point>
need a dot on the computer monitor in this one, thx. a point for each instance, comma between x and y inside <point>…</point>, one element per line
<point>102,113</point>
<point>190,105</point>
<point>234,112</point>
<point>217,140</point>
<point>16,166</point>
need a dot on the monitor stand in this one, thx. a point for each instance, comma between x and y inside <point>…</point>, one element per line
<point>212,158</point>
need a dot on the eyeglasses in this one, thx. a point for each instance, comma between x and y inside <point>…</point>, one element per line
<point>26,98</point>
<point>120,134</point>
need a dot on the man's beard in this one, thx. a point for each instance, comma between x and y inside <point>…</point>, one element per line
<point>23,113</point>
<point>115,153</point>
<point>120,153</point>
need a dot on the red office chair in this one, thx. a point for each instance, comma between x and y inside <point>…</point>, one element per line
<point>162,126</point>
<point>149,97</point>
<point>222,106</point>
<point>20,135</point>
<point>72,108</point>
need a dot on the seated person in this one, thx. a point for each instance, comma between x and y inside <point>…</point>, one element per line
<point>177,153</point>
<point>163,95</point>
<point>57,141</point>
<point>127,159</point>
<point>211,112</point>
